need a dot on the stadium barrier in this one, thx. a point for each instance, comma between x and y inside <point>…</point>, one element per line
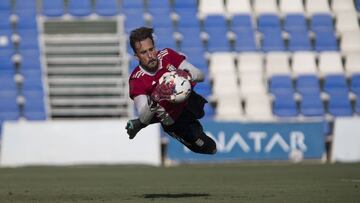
<point>258,141</point>
<point>77,142</point>
<point>346,140</point>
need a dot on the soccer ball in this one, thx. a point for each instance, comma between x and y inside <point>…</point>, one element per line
<point>181,86</point>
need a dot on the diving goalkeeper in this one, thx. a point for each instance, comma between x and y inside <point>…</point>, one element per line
<point>153,100</point>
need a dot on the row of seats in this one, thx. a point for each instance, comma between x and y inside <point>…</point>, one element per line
<point>21,87</point>
<point>280,63</point>
<point>267,33</point>
<point>57,8</point>
<point>248,76</point>
<point>284,7</point>
<point>334,88</point>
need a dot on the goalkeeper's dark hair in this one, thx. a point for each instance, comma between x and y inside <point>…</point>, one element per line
<point>140,34</point>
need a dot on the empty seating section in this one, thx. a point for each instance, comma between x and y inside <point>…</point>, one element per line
<point>263,59</point>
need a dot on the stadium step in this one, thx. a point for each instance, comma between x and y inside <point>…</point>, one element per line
<point>86,68</point>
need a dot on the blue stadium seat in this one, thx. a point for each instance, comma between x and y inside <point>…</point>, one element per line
<point>5,58</point>
<point>158,4</point>
<point>9,109</point>
<point>308,84</point>
<point>217,39</point>
<point>322,22</point>
<point>211,21</point>
<point>28,39</point>
<point>335,84</point>
<point>245,41</point>
<point>5,19</point>
<point>164,38</point>
<point>270,27</point>
<point>5,5</point>
<point>33,81</point>
<point>312,105</point>
<point>26,20</point>
<point>195,55</point>
<point>22,6</point>
<point>7,83</point>
<point>30,59</point>
<point>5,39</point>
<point>191,38</point>
<point>187,18</point>
<point>357,4</point>
<point>295,23</point>
<point>79,7</point>
<point>132,4</point>
<point>267,22</point>
<point>203,88</point>
<point>285,105</point>
<point>355,84</point>
<point>281,84</point>
<point>325,41</point>
<point>241,22</point>
<point>53,8</point>
<point>272,41</point>
<point>299,41</point>
<point>133,19</point>
<point>216,27</point>
<point>161,18</point>
<point>34,107</point>
<point>184,4</point>
<point>339,104</point>
<point>106,7</point>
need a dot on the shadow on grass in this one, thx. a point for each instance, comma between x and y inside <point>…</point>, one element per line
<point>177,195</point>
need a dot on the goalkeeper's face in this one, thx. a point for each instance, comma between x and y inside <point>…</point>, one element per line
<point>147,55</point>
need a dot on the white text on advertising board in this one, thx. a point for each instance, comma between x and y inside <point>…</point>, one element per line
<point>258,142</point>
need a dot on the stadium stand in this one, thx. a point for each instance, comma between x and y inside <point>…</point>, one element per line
<point>79,7</point>
<point>53,8</point>
<point>281,55</point>
<point>106,7</point>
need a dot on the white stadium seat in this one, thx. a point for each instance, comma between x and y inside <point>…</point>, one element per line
<point>330,63</point>
<point>251,83</point>
<point>234,7</point>
<point>213,8</point>
<point>352,63</point>
<point>304,62</point>
<point>225,85</point>
<point>317,7</point>
<point>291,6</point>
<point>229,108</point>
<point>221,63</point>
<point>342,5</point>
<point>346,21</point>
<point>350,41</point>
<point>277,63</point>
<point>265,7</point>
<point>250,62</point>
<point>258,107</point>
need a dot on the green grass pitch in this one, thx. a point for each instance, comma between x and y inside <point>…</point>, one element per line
<point>241,182</point>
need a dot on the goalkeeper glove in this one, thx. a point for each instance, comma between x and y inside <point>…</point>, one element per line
<point>162,92</point>
<point>184,73</point>
<point>133,127</point>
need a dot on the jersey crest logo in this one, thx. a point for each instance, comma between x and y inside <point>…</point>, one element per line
<point>170,67</point>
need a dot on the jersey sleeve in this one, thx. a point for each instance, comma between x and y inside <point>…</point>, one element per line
<point>175,58</point>
<point>136,88</point>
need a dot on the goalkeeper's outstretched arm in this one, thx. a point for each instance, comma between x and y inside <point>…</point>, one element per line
<point>144,105</point>
<point>196,74</point>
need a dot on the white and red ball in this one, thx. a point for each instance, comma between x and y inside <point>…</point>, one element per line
<point>181,86</point>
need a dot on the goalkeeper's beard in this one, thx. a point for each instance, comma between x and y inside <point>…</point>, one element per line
<point>151,66</point>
